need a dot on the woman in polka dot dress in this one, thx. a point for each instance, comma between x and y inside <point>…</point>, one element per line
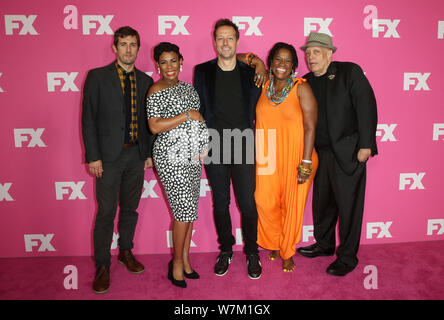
<point>182,139</point>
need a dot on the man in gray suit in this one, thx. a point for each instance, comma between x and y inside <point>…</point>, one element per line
<point>117,149</point>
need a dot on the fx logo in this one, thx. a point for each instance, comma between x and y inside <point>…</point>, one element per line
<point>1,90</point>
<point>41,240</point>
<point>435,225</point>
<point>440,29</point>
<point>379,228</point>
<point>115,242</point>
<point>310,24</point>
<point>307,232</point>
<point>22,135</point>
<point>69,187</point>
<point>417,79</point>
<point>148,190</point>
<point>438,130</point>
<point>88,21</point>
<point>55,79</point>
<point>12,22</point>
<point>252,23</point>
<point>390,25</point>
<point>412,179</point>
<point>165,22</point>
<point>385,131</point>
<point>204,187</point>
<point>4,192</point>
<point>239,239</point>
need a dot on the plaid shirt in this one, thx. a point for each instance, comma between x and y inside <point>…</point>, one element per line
<point>132,76</point>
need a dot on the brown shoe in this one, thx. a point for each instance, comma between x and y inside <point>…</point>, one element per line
<point>127,259</point>
<point>101,281</point>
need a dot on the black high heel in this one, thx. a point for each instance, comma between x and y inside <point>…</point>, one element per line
<point>177,283</point>
<point>192,275</point>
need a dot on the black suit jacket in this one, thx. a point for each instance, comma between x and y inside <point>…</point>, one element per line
<point>103,114</point>
<point>351,113</point>
<point>204,83</point>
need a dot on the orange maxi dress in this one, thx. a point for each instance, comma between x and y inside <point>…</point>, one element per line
<point>279,198</point>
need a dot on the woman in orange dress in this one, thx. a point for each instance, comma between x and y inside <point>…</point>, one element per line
<point>286,116</point>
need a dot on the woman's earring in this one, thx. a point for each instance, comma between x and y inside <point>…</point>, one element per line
<point>181,68</point>
<point>158,70</point>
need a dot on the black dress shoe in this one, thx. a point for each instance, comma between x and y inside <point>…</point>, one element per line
<point>223,261</point>
<point>338,268</point>
<point>177,283</point>
<point>192,275</point>
<point>314,251</point>
<point>254,266</point>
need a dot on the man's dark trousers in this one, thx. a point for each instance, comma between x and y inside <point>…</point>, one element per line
<point>243,176</point>
<point>121,184</point>
<point>337,195</point>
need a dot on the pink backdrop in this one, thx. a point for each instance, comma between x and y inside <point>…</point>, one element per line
<point>47,204</point>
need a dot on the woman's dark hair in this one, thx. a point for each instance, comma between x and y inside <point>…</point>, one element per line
<point>126,31</point>
<point>166,47</point>
<point>283,45</point>
<point>228,23</point>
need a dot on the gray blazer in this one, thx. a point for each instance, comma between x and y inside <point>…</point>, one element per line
<point>103,114</point>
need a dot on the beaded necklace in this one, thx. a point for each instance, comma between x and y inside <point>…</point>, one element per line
<point>277,98</point>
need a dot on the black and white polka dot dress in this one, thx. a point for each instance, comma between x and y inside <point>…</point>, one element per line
<point>175,152</point>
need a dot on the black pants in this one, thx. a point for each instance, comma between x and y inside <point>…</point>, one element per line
<point>121,183</point>
<point>338,195</point>
<point>244,183</point>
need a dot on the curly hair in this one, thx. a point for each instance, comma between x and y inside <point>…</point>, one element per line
<point>166,47</point>
<point>283,45</point>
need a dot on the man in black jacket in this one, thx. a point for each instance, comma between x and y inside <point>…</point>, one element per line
<point>117,149</point>
<point>228,97</point>
<point>345,139</point>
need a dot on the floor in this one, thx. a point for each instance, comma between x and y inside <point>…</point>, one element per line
<point>404,271</point>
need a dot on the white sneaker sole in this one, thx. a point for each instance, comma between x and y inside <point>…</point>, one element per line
<point>256,277</point>
<point>222,274</point>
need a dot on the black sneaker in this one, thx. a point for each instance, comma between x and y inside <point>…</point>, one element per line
<point>254,266</point>
<point>223,261</point>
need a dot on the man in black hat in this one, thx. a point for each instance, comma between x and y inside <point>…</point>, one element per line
<point>345,139</point>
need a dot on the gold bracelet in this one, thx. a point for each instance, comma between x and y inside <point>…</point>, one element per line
<point>305,170</point>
